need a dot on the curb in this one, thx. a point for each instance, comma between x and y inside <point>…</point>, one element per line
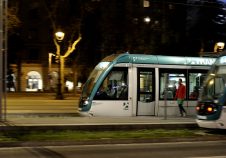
<point>98,127</point>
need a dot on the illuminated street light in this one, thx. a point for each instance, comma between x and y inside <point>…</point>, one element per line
<point>218,47</point>
<point>147,19</point>
<point>59,37</point>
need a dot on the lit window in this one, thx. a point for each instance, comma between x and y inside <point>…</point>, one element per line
<point>146,3</point>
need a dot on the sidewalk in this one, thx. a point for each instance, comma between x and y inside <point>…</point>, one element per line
<point>32,120</point>
<point>43,111</point>
<point>95,123</point>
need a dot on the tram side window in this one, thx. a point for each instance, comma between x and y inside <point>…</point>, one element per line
<point>195,83</point>
<point>169,84</point>
<point>146,86</point>
<point>115,86</point>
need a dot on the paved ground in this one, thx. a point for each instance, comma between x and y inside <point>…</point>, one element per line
<point>32,120</point>
<point>43,110</point>
<point>41,103</point>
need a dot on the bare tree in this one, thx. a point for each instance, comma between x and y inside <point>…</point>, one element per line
<point>59,14</point>
<point>13,20</point>
<point>61,19</point>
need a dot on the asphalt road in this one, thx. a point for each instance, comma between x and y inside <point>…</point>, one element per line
<point>213,149</point>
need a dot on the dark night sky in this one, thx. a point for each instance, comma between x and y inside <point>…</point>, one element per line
<point>108,26</point>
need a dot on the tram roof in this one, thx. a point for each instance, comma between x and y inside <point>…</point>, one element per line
<point>159,59</point>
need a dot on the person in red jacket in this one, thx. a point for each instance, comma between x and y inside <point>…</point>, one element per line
<point>180,96</point>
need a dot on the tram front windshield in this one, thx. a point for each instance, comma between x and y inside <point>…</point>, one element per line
<point>215,83</point>
<point>102,66</point>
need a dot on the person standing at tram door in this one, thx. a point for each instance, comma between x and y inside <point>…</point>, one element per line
<point>180,96</point>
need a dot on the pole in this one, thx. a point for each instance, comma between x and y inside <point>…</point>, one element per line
<point>59,94</point>
<point>165,97</point>
<point>59,37</point>
<point>49,71</point>
<point>3,57</point>
<point>5,44</point>
<point>1,60</point>
<point>50,61</point>
<point>62,72</point>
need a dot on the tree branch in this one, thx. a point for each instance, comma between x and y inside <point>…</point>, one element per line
<point>72,48</point>
<point>57,47</point>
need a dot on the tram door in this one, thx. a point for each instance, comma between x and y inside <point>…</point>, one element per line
<point>146,92</point>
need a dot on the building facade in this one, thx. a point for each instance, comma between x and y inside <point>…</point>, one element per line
<point>33,78</point>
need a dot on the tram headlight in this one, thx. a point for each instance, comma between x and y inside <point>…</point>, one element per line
<point>85,102</point>
<point>197,108</point>
<point>209,109</point>
<point>206,108</point>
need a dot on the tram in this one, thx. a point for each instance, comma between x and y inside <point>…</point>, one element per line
<point>211,108</point>
<point>142,85</point>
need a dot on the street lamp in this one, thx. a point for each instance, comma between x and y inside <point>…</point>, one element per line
<point>59,37</point>
<point>147,20</point>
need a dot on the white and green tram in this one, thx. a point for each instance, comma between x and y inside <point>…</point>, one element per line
<point>142,85</point>
<point>211,107</point>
